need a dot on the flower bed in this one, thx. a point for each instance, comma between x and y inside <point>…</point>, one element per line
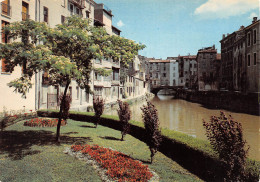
<point>43,122</point>
<point>119,166</point>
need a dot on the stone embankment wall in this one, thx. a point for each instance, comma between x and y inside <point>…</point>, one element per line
<point>233,101</point>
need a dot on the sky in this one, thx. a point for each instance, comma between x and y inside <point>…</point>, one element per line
<point>170,28</point>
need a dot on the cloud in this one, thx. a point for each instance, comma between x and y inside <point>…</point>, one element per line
<point>252,15</point>
<point>225,8</point>
<point>120,23</point>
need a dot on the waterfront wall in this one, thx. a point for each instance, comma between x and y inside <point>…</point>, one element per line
<point>233,101</point>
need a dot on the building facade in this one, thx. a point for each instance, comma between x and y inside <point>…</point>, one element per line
<point>208,69</point>
<point>43,95</point>
<point>240,59</point>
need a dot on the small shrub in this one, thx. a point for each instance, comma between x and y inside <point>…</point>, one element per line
<point>98,105</point>
<point>43,122</point>
<point>65,107</point>
<point>151,124</point>
<point>124,115</point>
<point>226,137</point>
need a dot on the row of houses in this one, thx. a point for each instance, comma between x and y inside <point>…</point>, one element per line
<point>199,72</point>
<point>236,68</point>
<point>43,95</point>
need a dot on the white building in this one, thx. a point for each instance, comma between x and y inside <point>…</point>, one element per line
<point>174,73</point>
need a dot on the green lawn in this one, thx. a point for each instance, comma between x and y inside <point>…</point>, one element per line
<point>30,154</point>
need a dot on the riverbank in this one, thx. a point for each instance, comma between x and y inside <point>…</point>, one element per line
<point>232,101</point>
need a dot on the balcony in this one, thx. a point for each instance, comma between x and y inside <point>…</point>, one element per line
<point>115,82</point>
<point>78,3</point>
<point>25,16</point>
<point>6,9</point>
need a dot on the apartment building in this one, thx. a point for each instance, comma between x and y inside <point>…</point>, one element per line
<point>54,12</point>
<point>12,11</point>
<point>135,84</point>
<point>208,69</point>
<point>240,59</point>
<point>187,71</point>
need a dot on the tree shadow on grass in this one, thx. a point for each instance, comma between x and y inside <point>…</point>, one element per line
<point>18,144</point>
<point>87,126</point>
<point>109,138</point>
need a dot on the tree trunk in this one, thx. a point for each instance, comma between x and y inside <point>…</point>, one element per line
<point>60,113</point>
<point>122,139</point>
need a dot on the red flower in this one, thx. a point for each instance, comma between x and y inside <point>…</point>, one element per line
<point>119,166</point>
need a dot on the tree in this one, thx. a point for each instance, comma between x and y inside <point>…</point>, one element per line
<point>66,53</point>
<point>98,105</point>
<point>226,137</point>
<point>124,114</point>
<point>151,124</point>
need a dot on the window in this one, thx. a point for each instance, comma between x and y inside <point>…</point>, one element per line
<point>254,33</point>
<point>6,8</point>
<point>98,77</point>
<point>174,82</point>
<point>62,19</point>
<point>255,58</point>
<point>190,65</point>
<point>173,74</point>
<point>77,88</point>
<point>156,75</point>
<point>98,91</point>
<point>70,92</point>
<point>248,39</point>
<point>173,68</point>
<point>248,60</point>
<point>45,14</point>
<point>25,11</point>
<point>164,74</point>
<point>77,11</point>
<point>87,14</point>
<point>4,40</point>
<point>87,97</point>
<point>71,9</point>
<point>154,82</point>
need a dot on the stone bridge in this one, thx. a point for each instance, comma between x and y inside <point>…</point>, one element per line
<point>156,89</point>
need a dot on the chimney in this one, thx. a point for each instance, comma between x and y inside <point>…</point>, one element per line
<point>254,19</point>
<point>213,46</point>
<point>223,36</point>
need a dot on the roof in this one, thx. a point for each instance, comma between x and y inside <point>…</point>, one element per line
<point>189,57</point>
<point>207,51</point>
<point>113,27</point>
<point>241,28</point>
<point>159,61</point>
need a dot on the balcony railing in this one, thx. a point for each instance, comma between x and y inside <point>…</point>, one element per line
<point>25,16</point>
<point>79,3</point>
<point>6,9</point>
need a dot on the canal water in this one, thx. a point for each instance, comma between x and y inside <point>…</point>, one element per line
<point>187,117</point>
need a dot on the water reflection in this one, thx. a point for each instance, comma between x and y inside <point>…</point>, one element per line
<point>187,117</point>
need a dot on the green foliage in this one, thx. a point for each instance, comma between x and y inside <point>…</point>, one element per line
<point>124,114</point>
<point>21,85</point>
<point>98,105</point>
<point>103,71</point>
<point>226,137</point>
<point>151,124</point>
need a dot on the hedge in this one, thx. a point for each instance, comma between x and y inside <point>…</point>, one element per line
<point>193,154</point>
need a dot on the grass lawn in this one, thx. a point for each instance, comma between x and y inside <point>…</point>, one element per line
<point>30,154</point>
